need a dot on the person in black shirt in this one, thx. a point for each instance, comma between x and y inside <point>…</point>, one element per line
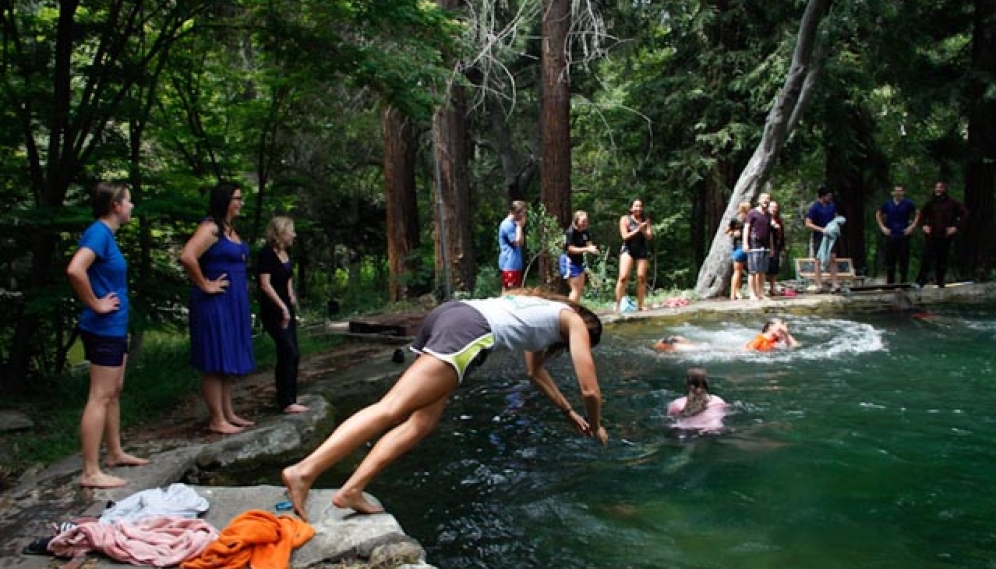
<point>942,217</point>
<point>577,242</point>
<point>277,303</point>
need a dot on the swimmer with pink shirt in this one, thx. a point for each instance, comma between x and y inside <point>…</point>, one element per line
<point>698,410</point>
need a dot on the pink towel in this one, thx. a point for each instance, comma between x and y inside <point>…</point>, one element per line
<point>158,541</point>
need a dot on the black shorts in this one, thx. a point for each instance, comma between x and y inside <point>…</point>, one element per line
<point>456,333</point>
<point>107,351</point>
<point>774,265</point>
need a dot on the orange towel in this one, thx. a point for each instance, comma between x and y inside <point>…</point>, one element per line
<point>254,538</point>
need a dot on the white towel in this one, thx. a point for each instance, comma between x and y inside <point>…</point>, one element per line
<point>177,500</point>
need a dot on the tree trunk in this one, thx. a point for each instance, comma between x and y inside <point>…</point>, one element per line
<point>401,202</point>
<point>715,273</point>
<point>455,263</point>
<point>555,117</point>
<point>975,248</point>
<point>518,171</point>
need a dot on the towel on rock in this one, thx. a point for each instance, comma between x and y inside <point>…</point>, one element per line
<point>255,538</point>
<point>157,541</point>
<point>177,500</point>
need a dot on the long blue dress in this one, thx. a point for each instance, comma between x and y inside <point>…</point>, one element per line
<point>220,324</point>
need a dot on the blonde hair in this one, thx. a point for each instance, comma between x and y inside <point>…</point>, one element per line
<point>742,210</point>
<point>277,226</point>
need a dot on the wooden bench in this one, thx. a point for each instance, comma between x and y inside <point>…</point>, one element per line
<point>805,272</point>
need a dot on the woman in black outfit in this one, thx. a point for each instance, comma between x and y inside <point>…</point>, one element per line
<point>277,303</point>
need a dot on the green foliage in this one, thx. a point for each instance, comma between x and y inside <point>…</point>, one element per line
<point>544,236</point>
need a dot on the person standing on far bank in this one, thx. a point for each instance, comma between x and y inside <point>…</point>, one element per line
<point>896,219</point>
<point>820,214</point>
<point>511,246</point>
<point>636,232</point>
<point>758,245</point>
<point>942,219</point>
<point>577,242</point>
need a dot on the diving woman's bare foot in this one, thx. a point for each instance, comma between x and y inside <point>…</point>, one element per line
<point>355,501</point>
<point>297,491</point>
<point>295,408</point>
<point>240,422</point>
<point>125,459</point>
<point>102,480</point>
<point>225,428</point>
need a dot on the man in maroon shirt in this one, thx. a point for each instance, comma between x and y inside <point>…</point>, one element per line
<point>942,218</point>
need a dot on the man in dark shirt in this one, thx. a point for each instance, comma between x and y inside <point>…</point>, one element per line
<point>820,214</point>
<point>942,217</point>
<point>757,244</point>
<point>897,218</point>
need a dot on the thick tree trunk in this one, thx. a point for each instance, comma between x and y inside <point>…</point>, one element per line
<point>518,170</point>
<point>976,253</point>
<point>455,263</point>
<point>714,275</point>
<point>555,117</point>
<point>400,201</point>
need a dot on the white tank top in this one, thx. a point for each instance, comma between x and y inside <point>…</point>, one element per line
<point>522,323</point>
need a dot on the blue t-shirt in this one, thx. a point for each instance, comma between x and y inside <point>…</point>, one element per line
<point>509,256</point>
<point>108,273</point>
<point>898,215</point>
<point>821,214</point>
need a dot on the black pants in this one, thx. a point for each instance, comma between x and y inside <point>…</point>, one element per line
<point>897,251</point>
<point>288,358</point>
<point>935,254</point>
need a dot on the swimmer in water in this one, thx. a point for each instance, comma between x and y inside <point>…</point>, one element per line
<point>673,343</point>
<point>774,334</point>
<point>698,410</point>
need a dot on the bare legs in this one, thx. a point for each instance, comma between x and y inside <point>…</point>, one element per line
<point>818,277</point>
<point>577,287</point>
<point>412,407</point>
<point>625,267</point>
<point>217,389</point>
<point>736,280</point>
<point>102,420</point>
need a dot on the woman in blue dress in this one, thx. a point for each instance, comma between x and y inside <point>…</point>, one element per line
<point>220,323</point>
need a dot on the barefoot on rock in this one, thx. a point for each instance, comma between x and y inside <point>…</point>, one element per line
<point>356,502</point>
<point>225,429</point>
<point>240,422</point>
<point>102,480</point>
<point>297,491</point>
<point>125,459</point>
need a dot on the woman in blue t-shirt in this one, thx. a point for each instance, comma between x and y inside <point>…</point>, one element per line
<point>98,273</point>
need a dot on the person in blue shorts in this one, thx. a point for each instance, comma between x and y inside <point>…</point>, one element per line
<point>577,242</point>
<point>455,338</point>
<point>735,230</point>
<point>758,245</point>
<point>98,273</point>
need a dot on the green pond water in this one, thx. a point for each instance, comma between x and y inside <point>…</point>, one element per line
<point>871,446</point>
